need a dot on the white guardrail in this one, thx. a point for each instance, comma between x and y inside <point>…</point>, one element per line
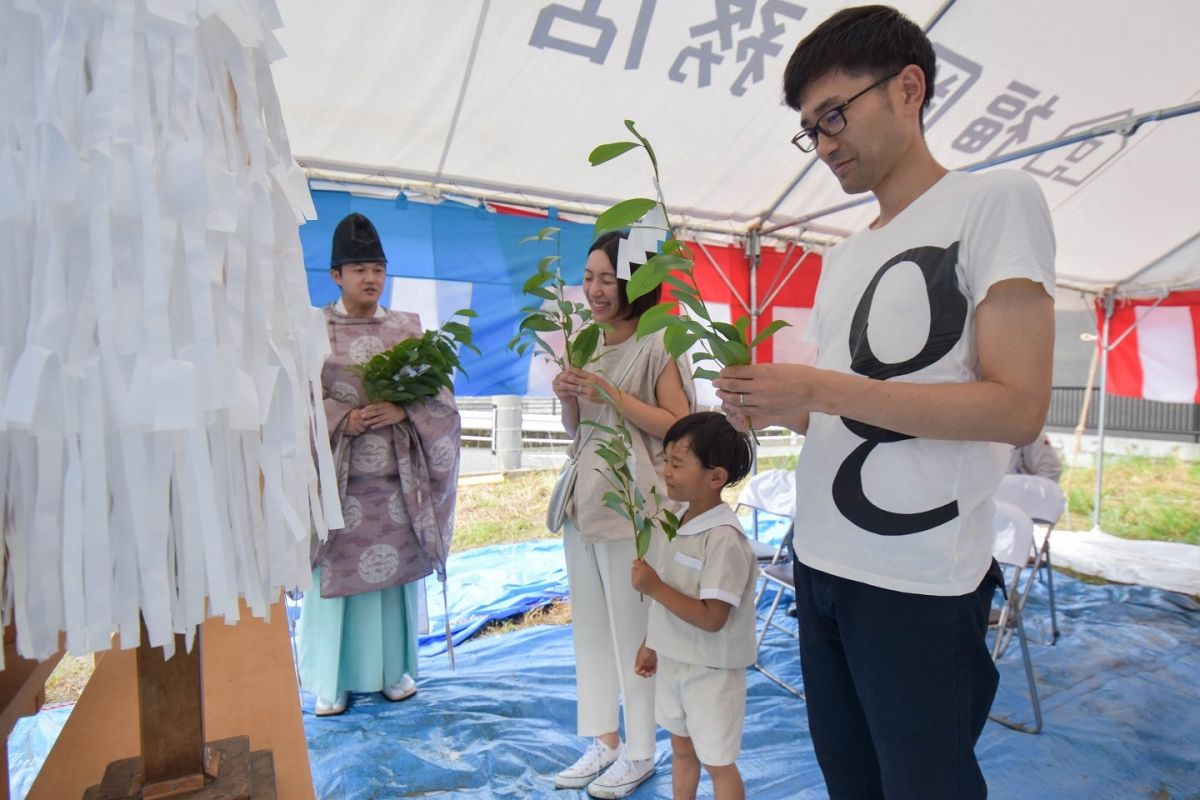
<point>508,425</point>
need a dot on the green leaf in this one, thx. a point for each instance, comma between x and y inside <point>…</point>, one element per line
<point>584,346</point>
<point>645,279</point>
<point>769,331</point>
<point>536,322</point>
<point>606,395</point>
<point>545,262</point>
<point>544,294</point>
<point>458,330</point>
<point>680,343</point>
<point>645,143</point>
<point>669,261</point>
<point>651,322</point>
<point>598,426</point>
<point>679,284</point>
<point>542,235</point>
<point>708,374</point>
<point>642,541</point>
<point>607,152</point>
<point>730,333</point>
<point>535,281</point>
<point>624,213</point>
<point>613,501</point>
<point>694,303</point>
<point>743,328</point>
<point>736,353</point>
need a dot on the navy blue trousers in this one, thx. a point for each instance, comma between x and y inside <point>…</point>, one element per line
<point>898,686</point>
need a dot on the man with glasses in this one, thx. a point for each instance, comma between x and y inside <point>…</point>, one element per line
<point>934,327</point>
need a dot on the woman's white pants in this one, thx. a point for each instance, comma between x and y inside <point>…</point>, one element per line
<point>608,625</point>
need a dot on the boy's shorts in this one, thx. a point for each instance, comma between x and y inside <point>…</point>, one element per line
<point>705,704</point>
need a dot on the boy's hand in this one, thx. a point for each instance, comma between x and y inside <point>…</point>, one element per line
<point>646,663</point>
<point>644,578</point>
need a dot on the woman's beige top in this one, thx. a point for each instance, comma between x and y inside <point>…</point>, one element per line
<point>595,521</point>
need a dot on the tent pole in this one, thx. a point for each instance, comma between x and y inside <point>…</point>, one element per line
<point>1104,335</point>
<point>753,259</point>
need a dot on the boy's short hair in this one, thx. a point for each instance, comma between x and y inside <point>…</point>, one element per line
<point>610,242</point>
<point>863,40</point>
<point>715,442</point>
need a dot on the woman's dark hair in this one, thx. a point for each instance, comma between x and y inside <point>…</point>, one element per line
<point>864,40</point>
<point>609,242</point>
<point>715,442</point>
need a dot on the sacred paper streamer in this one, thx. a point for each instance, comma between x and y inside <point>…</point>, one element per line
<point>159,356</point>
<point>642,241</point>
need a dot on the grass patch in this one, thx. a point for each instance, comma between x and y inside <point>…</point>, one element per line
<point>557,613</point>
<point>1144,498</point>
<point>66,682</point>
<point>512,509</point>
<point>778,462</point>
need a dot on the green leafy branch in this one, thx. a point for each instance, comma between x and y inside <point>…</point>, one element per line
<point>626,497</point>
<point>417,368</point>
<point>723,344</point>
<point>564,315</point>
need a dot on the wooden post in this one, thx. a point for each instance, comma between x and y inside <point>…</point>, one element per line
<point>171,716</point>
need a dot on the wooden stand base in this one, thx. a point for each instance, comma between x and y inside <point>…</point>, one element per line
<point>249,689</point>
<point>232,773</point>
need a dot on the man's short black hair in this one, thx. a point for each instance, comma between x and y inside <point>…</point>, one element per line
<point>863,40</point>
<point>714,441</point>
<point>609,242</point>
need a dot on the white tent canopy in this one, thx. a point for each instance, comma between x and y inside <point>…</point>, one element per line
<point>504,100</point>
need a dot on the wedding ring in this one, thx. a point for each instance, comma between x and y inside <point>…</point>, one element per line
<point>741,399</point>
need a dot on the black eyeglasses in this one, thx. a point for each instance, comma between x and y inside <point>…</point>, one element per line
<point>833,121</point>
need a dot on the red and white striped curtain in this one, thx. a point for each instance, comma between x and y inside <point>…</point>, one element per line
<point>1159,359</point>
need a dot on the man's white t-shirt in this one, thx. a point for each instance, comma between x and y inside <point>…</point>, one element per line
<point>898,303</point>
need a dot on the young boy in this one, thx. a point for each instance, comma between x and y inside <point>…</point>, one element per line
<point>700,637</point>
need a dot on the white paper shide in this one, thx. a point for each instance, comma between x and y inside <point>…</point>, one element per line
<point>159,358</point>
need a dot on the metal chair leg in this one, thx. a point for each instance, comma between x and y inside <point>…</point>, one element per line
<point>1032,683</point>
<point>767,624</point>
<point>1054,633</point>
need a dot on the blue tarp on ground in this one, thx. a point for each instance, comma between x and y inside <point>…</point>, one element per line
<point>1118,690</point>
<point>1119,695</point>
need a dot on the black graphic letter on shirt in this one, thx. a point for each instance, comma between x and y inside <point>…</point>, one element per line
<point>947,316</point>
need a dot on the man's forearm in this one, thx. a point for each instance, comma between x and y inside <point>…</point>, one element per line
<point>978,411</point>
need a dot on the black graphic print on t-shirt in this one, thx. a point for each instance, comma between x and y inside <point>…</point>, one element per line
<point>947,317</point>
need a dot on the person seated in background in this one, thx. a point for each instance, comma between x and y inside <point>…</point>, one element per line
<point>1037,458</point>
<point>700,638</point>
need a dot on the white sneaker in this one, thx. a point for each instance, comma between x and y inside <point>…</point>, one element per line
<point>589,766</point>
<point>402,689</point>
<point>622,778</point>
<point>323,708</point>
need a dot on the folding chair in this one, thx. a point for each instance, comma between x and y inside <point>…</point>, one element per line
<point>1013,542</point>
<point>772,491</point>
<point>1044,502</point>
